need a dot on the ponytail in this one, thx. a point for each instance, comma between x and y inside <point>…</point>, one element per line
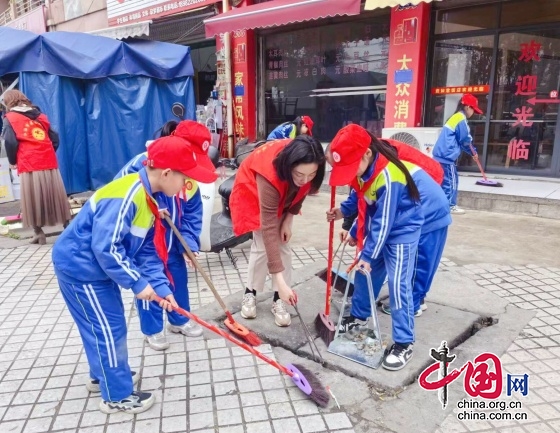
<point>384,148</point>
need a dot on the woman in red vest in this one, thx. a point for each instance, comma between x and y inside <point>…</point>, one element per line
<point>269,190</point>
<point>30,146</point>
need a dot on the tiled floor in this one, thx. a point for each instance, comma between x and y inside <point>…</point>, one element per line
<point>201,385</point>
<point>43,367</point>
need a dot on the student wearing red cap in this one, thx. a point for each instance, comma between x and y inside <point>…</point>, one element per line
<point>456,137</point>
<point>302,125</point>
<point>101,251</point>
<point>185,210</point>
<point>269,189</point>
<point>388,204</point>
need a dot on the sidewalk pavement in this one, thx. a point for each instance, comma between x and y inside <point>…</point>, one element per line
<point>204,385</point>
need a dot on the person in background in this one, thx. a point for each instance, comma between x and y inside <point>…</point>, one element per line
<point>185,210</point>
<point>31,146</point>
<point>269,190</point>
<point>302,125</point>
<point>454,138</point>
<point>99,254</point>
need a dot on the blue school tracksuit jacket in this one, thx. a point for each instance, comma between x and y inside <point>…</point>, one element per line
<point>285,130</point>
<point>393,224</point>
<point>101,250</point>
<point>185,211</point>
<point>454,138</point>
<point>430,246</point>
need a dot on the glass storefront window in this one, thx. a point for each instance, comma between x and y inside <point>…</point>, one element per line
<point>524,117</point>
<point>521,13</point>
<point>337,74</point>
<point>460,66</point>
<point>466,19</point>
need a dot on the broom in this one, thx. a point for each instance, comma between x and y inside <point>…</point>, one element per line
<point>238,329</point>
<point>304,379</point>
<point>485,181</point>
<point>323,324</point>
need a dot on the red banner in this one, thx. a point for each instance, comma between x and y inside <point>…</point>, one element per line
<point>461,89</point>
<point>243,77</point>
<point>407,65</point>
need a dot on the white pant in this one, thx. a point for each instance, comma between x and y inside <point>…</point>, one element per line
<point>258,268</point>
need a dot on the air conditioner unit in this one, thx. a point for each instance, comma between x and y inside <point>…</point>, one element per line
<point>423,139</point>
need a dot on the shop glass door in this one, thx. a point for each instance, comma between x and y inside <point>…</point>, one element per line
<point>522,134</point>
<point>461,65</point>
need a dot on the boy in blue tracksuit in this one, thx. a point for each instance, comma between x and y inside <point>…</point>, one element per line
<point>185,210</point>
<point>454,138</point>
<point>100,251</point>
<point>391,216</point>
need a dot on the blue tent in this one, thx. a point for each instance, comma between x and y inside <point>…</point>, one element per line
<point>104,97</point>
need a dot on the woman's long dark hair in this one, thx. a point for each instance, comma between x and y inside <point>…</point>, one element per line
<point>384,148</point>
<point>304,149</point>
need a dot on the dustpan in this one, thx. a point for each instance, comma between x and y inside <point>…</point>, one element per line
<point>364,346</point>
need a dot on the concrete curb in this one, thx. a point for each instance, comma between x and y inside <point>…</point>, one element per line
<point>511,204</point>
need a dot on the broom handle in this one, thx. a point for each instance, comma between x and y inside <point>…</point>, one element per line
<point>197,266</point>
<point>478,163</point>
<point>330,257</point>
<point>221,333</point>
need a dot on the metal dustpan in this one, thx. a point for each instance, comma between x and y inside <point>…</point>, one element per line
<point>363,345</point>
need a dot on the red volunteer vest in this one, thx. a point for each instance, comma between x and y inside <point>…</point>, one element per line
<point>244,199</point>
<point>410,154</point>
<point>35,148</point>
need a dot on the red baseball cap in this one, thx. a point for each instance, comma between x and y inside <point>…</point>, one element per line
<point>308,122</point>
<point>199,137</point>
<point>177,154</point>
<point>472,102</point>
<point>347,149</point>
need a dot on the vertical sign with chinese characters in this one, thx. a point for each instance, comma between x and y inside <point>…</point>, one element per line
<point>526,86</point>
<point>407,65</point>
<point>243,76</point>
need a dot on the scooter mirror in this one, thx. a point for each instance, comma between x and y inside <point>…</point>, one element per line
<point>178,110</point>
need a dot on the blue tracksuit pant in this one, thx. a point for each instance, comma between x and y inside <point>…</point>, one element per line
<point>98,310</point>
<point>450,183</point>
<point>151,314</point>
<point>398,263</point>
<point>430,249</point>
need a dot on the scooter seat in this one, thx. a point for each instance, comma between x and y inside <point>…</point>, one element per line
<point>226,187</point>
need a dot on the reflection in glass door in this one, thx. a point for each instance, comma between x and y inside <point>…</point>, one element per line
<point>525,102</point>
<point>461,65</point>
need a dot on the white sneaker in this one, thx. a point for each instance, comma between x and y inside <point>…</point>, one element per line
<point>398,357</point>
<point>190,329</point>
<point>137,402</point>
<point>92,385</point>
<point>281,315</point>
<point>158,341</point>
<point>457,210</point>
<point>423,305</point>
<point>249,306</point>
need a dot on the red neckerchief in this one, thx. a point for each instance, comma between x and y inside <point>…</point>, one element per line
<point>159,235</point>
<point>379,164</point>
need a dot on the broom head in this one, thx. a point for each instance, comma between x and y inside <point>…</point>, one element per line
<point>308,383</point>
<point>242,332</point>
<point>325,328</point>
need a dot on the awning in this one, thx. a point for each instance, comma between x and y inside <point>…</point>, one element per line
<point>125,31</point>
<point>277,13</point>
<point>376,4</point>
